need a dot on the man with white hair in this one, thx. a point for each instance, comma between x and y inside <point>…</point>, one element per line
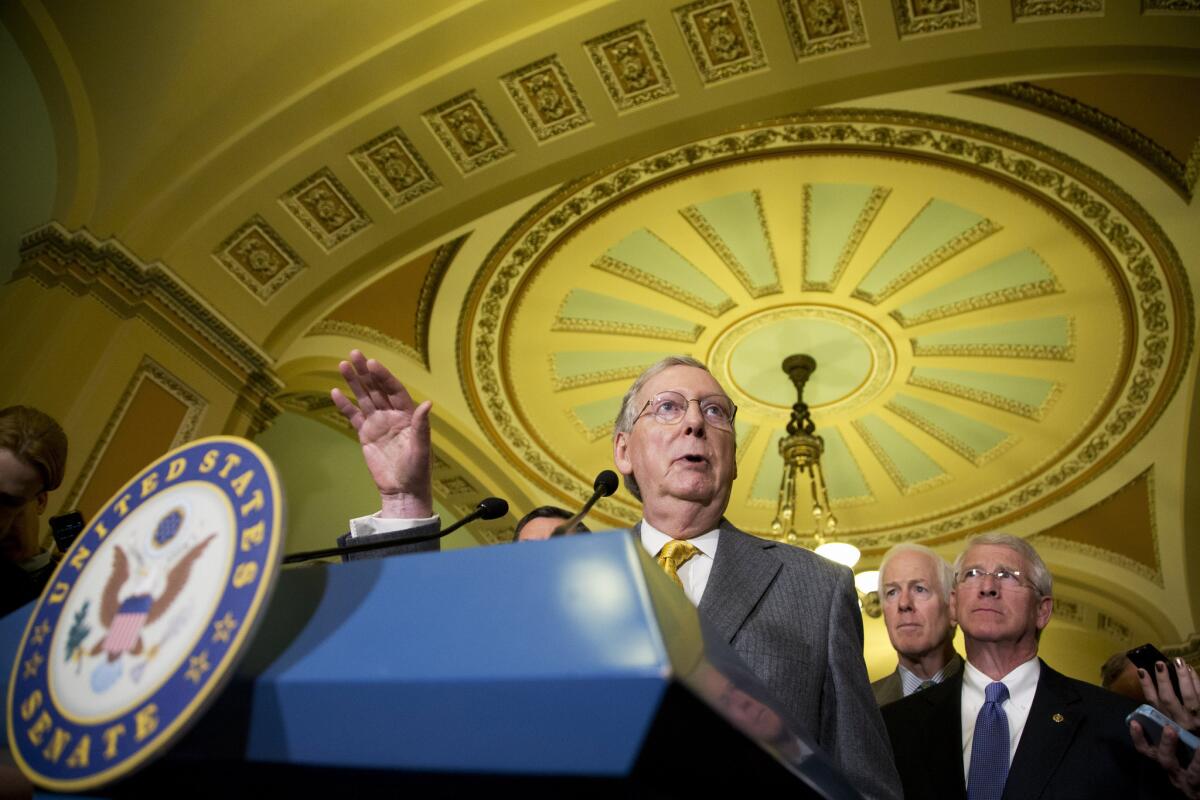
<point>1009,726</point>
<point>791,615</point>
<point>914,591</point>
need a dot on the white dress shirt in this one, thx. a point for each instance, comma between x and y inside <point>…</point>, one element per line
<point>1022,685</point>
<point>694,572</point>
<point>373,524</point>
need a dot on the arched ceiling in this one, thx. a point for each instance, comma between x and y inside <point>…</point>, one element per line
<point>977,214</point>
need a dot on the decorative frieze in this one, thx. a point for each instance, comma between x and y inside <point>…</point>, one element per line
<point>631,67</point>
<point>918,17</point>
<point>259,258</point>
<point>820,27</point>
<point>721,38</point>
<point>394,168</point>
<point>467,132</point>
<point>546,99</point>
<point>324,207</point>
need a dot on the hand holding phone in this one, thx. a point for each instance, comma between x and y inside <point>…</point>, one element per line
<point>1147,656</point>
<point>1153,721</point>
<point>1183,707</point>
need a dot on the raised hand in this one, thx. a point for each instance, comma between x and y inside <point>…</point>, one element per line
<point>393,432</point>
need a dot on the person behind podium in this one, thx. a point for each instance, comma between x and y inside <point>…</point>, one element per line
<point>33,457</point>
<point>791,615</point>
<point>541,523</point>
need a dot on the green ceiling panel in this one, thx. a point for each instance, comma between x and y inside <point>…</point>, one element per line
<point>649,261</point>
<point>744,434</point>
<point>843,478</point>
<point>585,367</point>
<point>837,216</point>
<point>596,418</point>
<point>1048,337</point>
<point>734,227</point>
<point>770,472</point>
<point>974,440</point>
<point>909,467</point>
<point>1016,393</point>
<point>939,231</point>
<point>592,312</point>
<point>1019,276</point>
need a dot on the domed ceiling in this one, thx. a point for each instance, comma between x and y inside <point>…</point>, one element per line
<point>992,322</point>
<point>517,206</point>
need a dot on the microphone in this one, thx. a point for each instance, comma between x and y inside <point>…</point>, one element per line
<point>488,508</point>
<point>605,484</point>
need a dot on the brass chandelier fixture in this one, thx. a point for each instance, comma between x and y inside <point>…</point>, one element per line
<point>801,451</point>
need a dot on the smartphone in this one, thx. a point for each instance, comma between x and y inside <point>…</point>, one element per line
<point>1146,656</point>
<point>65,528</point>
<point>1153,721</point>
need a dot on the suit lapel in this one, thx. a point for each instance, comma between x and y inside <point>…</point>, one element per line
<point>1054,719</point>
<point>742,571</point>
<point>944,731</point>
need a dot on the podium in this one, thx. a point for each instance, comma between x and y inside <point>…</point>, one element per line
<point>572,665</point>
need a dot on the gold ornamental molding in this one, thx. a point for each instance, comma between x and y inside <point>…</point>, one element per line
<point>147,370</point>
<point>1140,261</point>
<point>1179,176</point>
<point>105,270</point>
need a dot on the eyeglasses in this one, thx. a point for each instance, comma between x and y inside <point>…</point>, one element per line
<point>1007,578</point>
<point>670,407</point>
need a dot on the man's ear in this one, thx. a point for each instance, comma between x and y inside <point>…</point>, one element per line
<point>953,608</point>
<point>1045,609</point>
<point>621,453</point>
<point>42,499</point>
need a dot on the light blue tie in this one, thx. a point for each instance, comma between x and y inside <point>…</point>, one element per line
<point>989,748</point>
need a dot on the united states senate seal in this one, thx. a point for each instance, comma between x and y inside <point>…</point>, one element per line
<point>146,616</point>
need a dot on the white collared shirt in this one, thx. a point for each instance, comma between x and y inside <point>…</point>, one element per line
<point>1022,685</point>
<point>694,572</point>
<point>373,524</point>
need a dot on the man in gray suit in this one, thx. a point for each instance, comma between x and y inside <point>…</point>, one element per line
<point>790,614</point>
<point>914,591</point>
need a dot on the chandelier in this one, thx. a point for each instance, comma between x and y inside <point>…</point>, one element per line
<point>801,451</point>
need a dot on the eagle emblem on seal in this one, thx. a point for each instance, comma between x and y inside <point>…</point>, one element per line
<point>142,587</point>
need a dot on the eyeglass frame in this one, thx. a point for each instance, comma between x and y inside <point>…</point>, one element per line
<point>1022,580</point>
<point>699,401</point>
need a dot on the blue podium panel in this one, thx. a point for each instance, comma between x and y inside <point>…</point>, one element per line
<point>535,658</point>
<point>572,665</point>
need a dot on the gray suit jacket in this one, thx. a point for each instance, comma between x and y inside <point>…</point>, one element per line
<point>793,618</point>
<point>890,688</point>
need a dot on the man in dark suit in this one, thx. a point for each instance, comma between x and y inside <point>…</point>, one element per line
<point>790,614</point>
<point>914,592</point>
<point>1009,726</point>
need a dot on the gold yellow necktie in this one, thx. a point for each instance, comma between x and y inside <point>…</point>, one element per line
<point>674,555</point>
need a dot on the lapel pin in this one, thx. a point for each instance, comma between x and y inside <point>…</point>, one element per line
<point>1058,718</point>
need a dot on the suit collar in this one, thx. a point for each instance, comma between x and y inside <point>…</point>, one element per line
<point>742,572</point>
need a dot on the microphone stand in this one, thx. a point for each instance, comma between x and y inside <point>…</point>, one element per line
<point>483,510</point>
<point>606,484</point>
